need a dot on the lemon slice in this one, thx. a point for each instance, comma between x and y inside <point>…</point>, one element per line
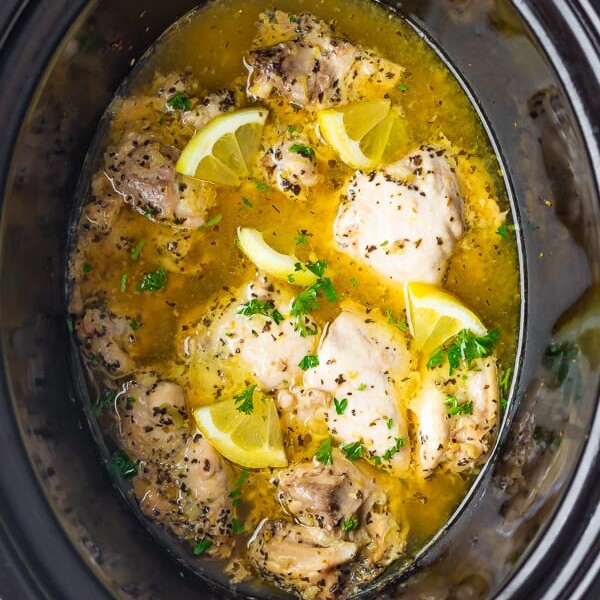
<point>280,266</point>
<point>362,134</point>
<point>250,440</point>
<point>435,316</point>
<point>222,151</point>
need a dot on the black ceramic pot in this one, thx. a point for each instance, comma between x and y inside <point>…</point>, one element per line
<point>530,529</point>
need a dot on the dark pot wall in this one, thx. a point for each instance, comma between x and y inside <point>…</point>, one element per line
<point>531,529</point>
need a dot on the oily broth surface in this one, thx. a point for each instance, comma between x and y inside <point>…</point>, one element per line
<point>483,269</point>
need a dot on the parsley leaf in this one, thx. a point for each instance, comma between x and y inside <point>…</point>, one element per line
<point>121,466</point>
<point>135,325</point>
<point>87,267</point>
<point>309,361</point>
<point>260,186</point>
<point>323,454</point>
<point>353,450</point>
<point>255,307</point>
<point>505,381</point>
<point>362,387</point>
<point>202,546</point>
<point>340,405</point>
<point>403,87</point>
<point>237,527</point>
<point>402,325</point>
<point>302,237</point>
<point>179,101</point>
<point>400,443</point>
<point>318,267</point>
<point>276,316</point>
<point>123,282</point>
<point>107,399</point>
<point>244,400</point>
<point>135,253</point>
<point>349,524</point>
<point>153,282</point>
<point>292,128</point>
<point>210,223</point>
<point>464,347</point>
<point>247,202</point>
<point>504,229</point>
<point>305,151</point>
<point>457,408</point>
<point>390,423</point>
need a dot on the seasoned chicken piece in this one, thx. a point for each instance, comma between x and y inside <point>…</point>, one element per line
<point>403,220</point>
<point>142,171</point>
<point>339,507</point>
<point>302,59</point>
<point>301,560</point>
<point>363,361</point>
<point>99,215</point>
<point>182,480</point>
<point>291,166</point>
<point>271,350</point>
<point>456,415</point>
<point>209,107</point>
<point>298,407</point>
<point>106,337</point>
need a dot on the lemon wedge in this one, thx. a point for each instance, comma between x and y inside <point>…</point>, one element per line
<point>363,134</point>
<point>251,440</point>
<point>278,265</point>
<point>222,151</point>
<point>435,316</point>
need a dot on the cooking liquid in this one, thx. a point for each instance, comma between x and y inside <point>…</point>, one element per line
<point>483,270</point>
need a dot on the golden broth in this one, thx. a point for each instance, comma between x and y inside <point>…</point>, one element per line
<point>483,270</point>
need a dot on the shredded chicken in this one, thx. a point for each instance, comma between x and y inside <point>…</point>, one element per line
<point>302,59</point>
<point>403,220</point>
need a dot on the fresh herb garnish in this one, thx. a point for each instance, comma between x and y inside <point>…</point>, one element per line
<point>390,423</point>
<point>464,347</point>
<point>349,524</point>
<point>292,128</point>
<point>292,19</point>
<point>244,400</point>
<point>403,87</point>
<point>309,361</point>
<point>121,466</point>
<point>302,237</point>
<point>135,253</point>
<point>87,267</point>
<point>504,230</point>
<point>503,403</point>
<point>340,405</point>
<point>202,546</point>
<point>179,101</point>
<point>123,282</point>
<point>236,492</point>
<point>260,186</point>
<point>362,387</point>
<point>402,325</point>
<point>400,443</point>
<point>211,223</point>
<point>305,151</point>
<point>247,202</point>
<point>276,316</point>
<point>323,454</point>
<point>318,267</point>
<point>353,281</point>
<point>505,381</point>
<point>135,325</point>
<point>106,399</point>
<point>458,408</point>
<point>353,450</point>
<point>153,282</point>
<point>237,527</point>
<point>260,307</point>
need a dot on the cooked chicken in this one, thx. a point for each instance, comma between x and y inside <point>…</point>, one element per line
<point>106,337</point>
<point>99,215</point>
<point>362,361</point>
<point>142,171</point>
<point>403,220</point>
<point>302,59</point>
<point>456,415</point>
<point>338,507</point>
<point>291,166</point>
<point>270,350</point>
<point>209,107</point>
<point>182,480</point>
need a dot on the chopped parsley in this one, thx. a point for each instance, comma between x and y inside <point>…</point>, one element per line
<point>123,282</point>
<point>153,282</point>
<point>353,281</point>
<point>301,239</point>
<point>106,399</point>
<point>504,229</point>
<point>400,443</point>
<point>353,450</point>
<point>362,387</point>
<point>323,454</point>
<point>384,244</point>
<point>87,267</point>
<point>260,307</point>
<point>458,408</point>
<point>503,403</point>
<point>247,202</point>
<point>135,325</point>
<point>202,546</point>
<point>237,527</point>
<point>292,19</point>
<point>236,492</point>
<point>318,267</point>
<point>403,87</point>
<point>402,325</point>
<point>340,405</point>
<point>505,381</point>
<point>244,400</point>
<point>179,101</point>
<point>464,347</point>
<point>305,151</point>
<point>349,524</point>
<point>135,253</point>
<point>121,466</point>
<point>211,223</point>
<point>260,186</point>
<point>309,361</point>
<point>390,423</point>
<point>292,128</point>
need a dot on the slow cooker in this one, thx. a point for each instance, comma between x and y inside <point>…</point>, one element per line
<point>531,526</point>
